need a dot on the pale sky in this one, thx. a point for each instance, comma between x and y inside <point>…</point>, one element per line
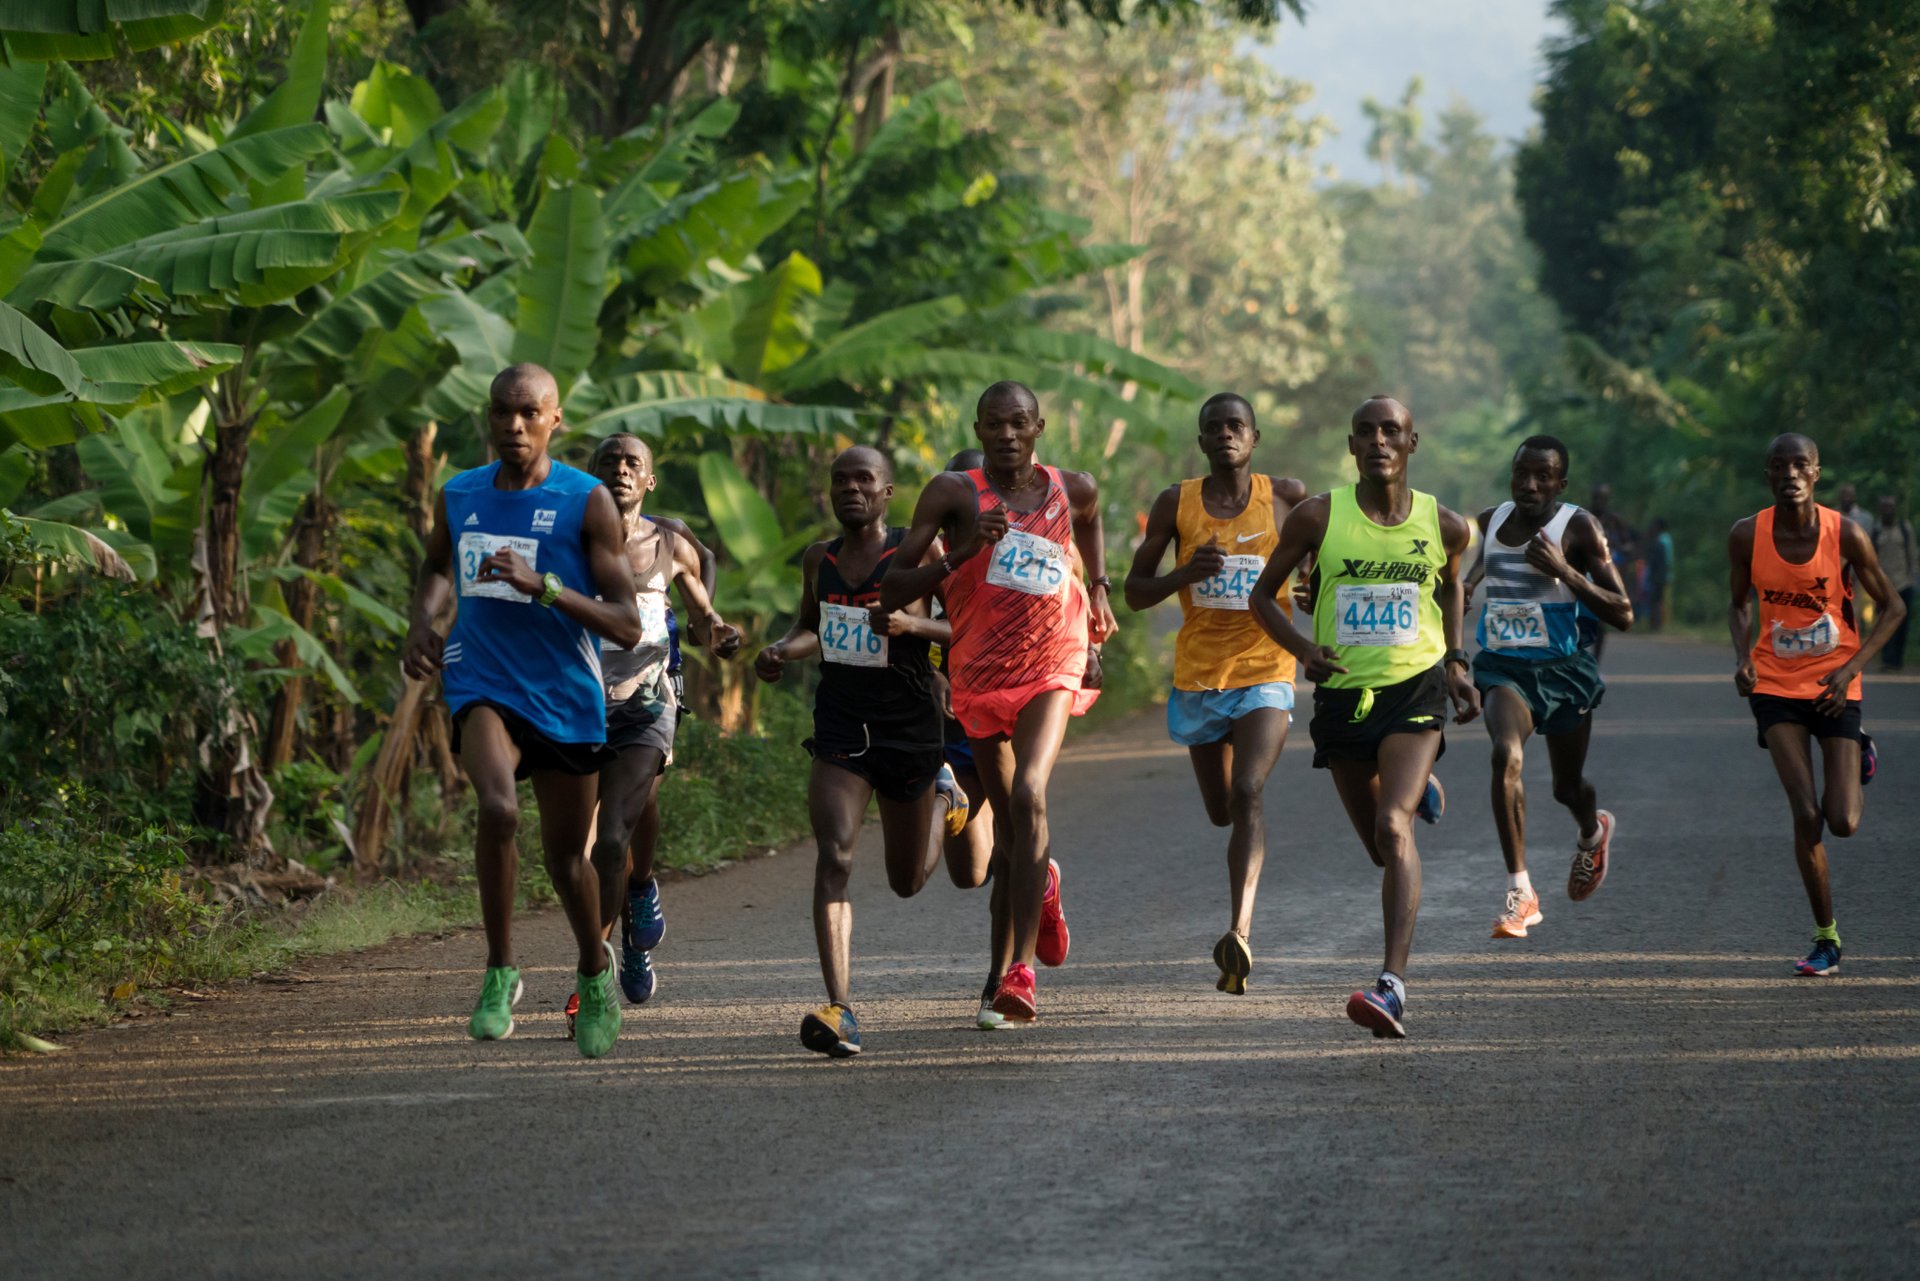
<point>1485,51</point>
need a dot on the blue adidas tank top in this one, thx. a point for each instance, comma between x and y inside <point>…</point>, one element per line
<point>504,648</point>
<point>1527,615</point>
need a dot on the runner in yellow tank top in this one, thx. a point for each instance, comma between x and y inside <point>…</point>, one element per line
<point>1232,686</point>
<point>1387,580</point>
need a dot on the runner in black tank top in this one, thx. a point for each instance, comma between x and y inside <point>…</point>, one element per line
<point>876,728</point>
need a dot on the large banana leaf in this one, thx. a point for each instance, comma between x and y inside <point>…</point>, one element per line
<point>78,30</point>
<point>773,328</point>
<point>179,194</point>
<point>259,641</point>
<point>347,594</point>
<point>128,373</point>
<point>657,405</point>
<point>645,164</point>
<point>295,100</point>
<point>863,351</point>
<point>564,284</point>
<point>135,475</point>
<point>29,358</point>
<point>279,470</point>
<point>726,220</point>
<point>396,103</point>
<point>380,300</point>
<point>745,520</point>
<point>70,543</point>
<point>41,422</point>
<point>21,86</point>
<point>255,258</point>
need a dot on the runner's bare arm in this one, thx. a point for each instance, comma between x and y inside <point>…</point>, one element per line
<point>803,638</point>
<point>704,623</point>
<point>1300,538</point>
<point>1740,603</point>
<point>604,607</point>
<point>1083,497</point>
<point>1288,493</point>
<point>1479,571</point>
<point>916,619</point>
<point>1586,567</point>
<point>1146,586</point>
<point>1456,536</point>
<point>420,654</point>
<point>1856,545</point>
<point>948,501</point>
<point>709,566</point>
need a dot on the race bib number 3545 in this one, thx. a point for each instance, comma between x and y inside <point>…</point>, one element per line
<point>847,637</point>
<point>1376,613</point>
<point>475,547</point>
<point>1027,563</point>
<point>1232,587</point>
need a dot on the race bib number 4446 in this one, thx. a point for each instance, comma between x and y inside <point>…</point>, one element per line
<point>847,637</point>
<point>476,547</point>
<point>1816,638</point>
<point>1376,613</point>
<point>1232,587</point>
<point>1027,563</point>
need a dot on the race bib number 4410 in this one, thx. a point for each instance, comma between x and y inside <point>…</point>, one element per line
<point>1232,587</point>
<point>1816,638</point>
<point>1027,563</point>
<point>1376,613</point>
<point>847,637</point>
<point>476,547</point>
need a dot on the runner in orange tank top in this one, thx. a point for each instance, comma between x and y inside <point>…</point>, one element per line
<point>1232,696</point>
<point>1021,626</point>
<point>1802,674</point>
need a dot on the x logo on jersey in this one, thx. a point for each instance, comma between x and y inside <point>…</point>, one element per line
<point>1819,584</point>
<point>1419,547</point>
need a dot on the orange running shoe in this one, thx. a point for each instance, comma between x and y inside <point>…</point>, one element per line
<point>1522,909</point>
<point>1013,1000</point>
<point>1050,948</point>
<point>1590,866</point>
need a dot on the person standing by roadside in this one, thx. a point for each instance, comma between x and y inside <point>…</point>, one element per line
<point>1893,544</point>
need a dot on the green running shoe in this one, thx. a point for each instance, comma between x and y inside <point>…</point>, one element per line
<point>598,1024</point>
<point>493,1017</point>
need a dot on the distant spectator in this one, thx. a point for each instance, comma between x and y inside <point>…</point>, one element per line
<point>1659,572</point>
<point>1893,544</point>
<point>1843,502</point>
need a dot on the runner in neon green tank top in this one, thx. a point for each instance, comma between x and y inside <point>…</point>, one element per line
<point>1385,657</point>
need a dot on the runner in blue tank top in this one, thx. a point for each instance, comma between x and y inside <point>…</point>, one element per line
<point>528,543</point>
<point>1550,584</point>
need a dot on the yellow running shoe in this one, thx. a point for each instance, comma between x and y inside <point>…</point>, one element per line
<point>956,798</point>
<point>1235,960</point>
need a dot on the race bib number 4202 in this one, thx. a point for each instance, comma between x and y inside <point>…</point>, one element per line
<point>1376,613</point>
<point>476,547</point>
<point>1516,624</point>
<point>1232,587</point>
<point>1816,638</point>
<point>1027,563</point>
<point>847,637</point>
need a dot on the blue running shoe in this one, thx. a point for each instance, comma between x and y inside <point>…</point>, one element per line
<point>1433,801</point>
<point>831,1030</point>
<point>1869,759</point>
<point>1378,1010</point>
<point>1822,962</point>
<point>637,978</point>
<point>645,923</point>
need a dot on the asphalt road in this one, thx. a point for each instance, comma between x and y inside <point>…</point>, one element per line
<point>1640,1088</point>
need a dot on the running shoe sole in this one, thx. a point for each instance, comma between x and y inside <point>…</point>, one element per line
<point>1805,973</point>
<point>1235,960</point>
<point>992,1020</point>
<point>1433,801</point>
<point>1058,919</point>
<point>1501,930</point>
<point>1014,1008</point>
<point>1602,859</point>
<point>1372,1017</point>
<point>821,1039</point>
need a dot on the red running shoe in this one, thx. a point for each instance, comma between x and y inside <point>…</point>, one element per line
<point>1050,949</point>
<point>1014,1000</point>
<point>572,1012</point>
<point>1590,866</point>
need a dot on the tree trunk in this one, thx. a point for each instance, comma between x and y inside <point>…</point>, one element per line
<point>226,470</point>
<point>877,76</point>
<point>311,534</point>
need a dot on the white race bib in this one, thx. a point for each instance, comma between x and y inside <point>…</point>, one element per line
<point>1376,613</point>
<point>1027,563</point>
<point>1816,638</point>
<point>476,547</point>
<point>1232,587</point>
<point>1516,624</point>
<point>847,637</point>
<point>653,622</point>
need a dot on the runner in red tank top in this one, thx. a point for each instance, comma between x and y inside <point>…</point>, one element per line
<point>1802,675</point>
<point>1021,627</point>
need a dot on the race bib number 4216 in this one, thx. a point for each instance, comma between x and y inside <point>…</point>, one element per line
<point>1232,587</point>
<point>476,547</point>
<point>847,637</point>
<point>1027,563</point>
<point>1376,613</point>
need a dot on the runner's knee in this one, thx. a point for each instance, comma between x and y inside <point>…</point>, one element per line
<point>499,813</point>
<point>1030,800</point>
<point>1391,829</point>
<point>1507,758</point>
<point>1839,821</point>
<point>1807,820</point>
<point>1569,792</point>
<point>834,866</point>
<point>1245,800</point>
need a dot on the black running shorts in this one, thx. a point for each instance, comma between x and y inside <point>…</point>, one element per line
<point>1771,709</point>
<point>537,751</point>
<point>1413,706</point>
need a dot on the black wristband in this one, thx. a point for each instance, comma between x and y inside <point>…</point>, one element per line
<point>1457,656</point>
<point>1102,581</point>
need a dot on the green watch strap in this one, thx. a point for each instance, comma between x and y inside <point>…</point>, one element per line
<point>554,588</point>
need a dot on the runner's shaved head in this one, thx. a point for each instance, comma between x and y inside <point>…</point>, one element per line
<point>1794,441</point>
<point>600,450</point>
<point>1007,389</point>
<point>967,460</point>
<point>881,463</point>
<point>1399,410</point>
<point>526,377</point>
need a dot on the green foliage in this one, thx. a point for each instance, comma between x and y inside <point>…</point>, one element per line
<point>726,793</point>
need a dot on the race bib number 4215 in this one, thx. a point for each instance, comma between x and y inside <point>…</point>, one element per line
<point>1376,613</point>
<point>1027,563</point>
<point>1232,587</point>
<point>476,547</point>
